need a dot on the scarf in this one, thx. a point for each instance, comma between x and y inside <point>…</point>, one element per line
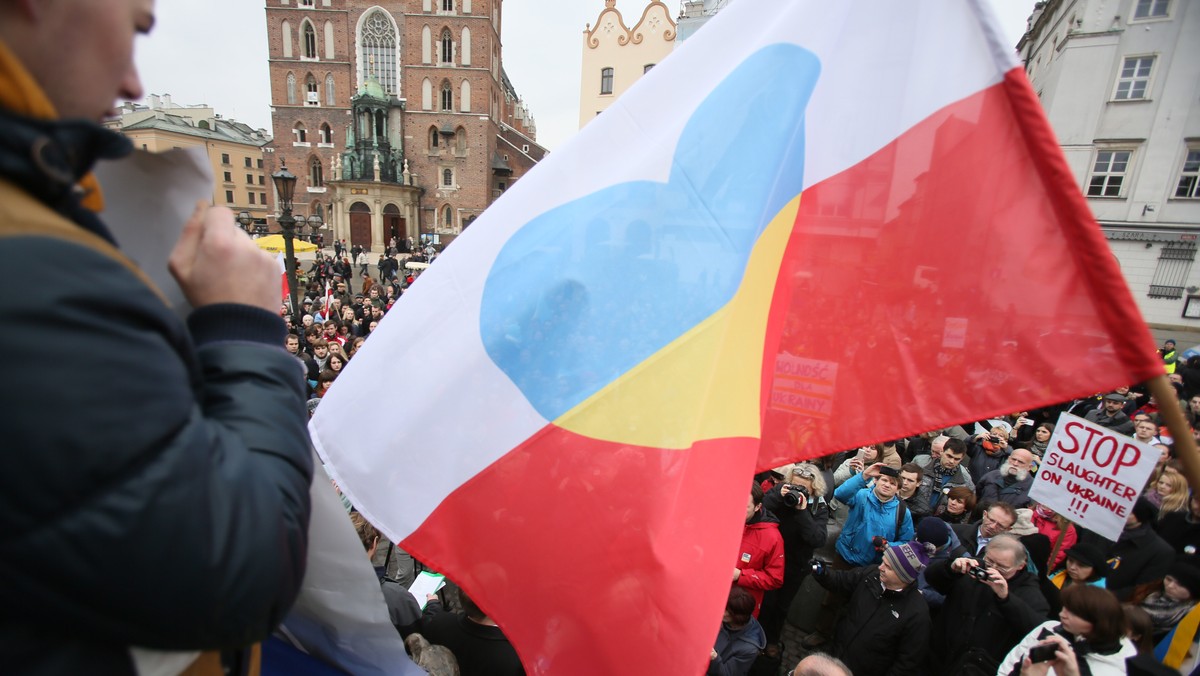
<point>48,157</point>
<point>1165,612</point>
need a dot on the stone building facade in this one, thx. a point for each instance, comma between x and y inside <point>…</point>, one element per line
<point>616,56</point>
<point>396,117</point>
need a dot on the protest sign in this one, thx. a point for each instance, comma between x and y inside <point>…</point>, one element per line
<point>1092,475</point>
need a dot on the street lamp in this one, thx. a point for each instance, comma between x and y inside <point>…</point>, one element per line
<point>315,222</point>
<point>247,221</point>
<point>285,186</point>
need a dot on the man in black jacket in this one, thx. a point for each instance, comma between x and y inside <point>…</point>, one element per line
<point>985,613</point>
<point>1140,557</point>
<point>1111,415</point>
<point>157,472</point>
<point>886,626</point>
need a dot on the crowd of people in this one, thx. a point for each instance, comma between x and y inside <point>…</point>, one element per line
<point>927,555</point>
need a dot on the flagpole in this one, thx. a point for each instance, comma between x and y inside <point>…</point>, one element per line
<point>1062,534</point>
<point>1185,443</point>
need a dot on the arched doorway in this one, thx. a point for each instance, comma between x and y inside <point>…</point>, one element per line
<point>393,224</point>
<point>360,225</point>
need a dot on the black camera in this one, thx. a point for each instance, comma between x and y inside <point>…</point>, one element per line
<point>1042,653</point>
<point>792,497</point>
<point>879,542</point>
<point>979,572</point>
<point>818,566</point>
<point>993,438</point>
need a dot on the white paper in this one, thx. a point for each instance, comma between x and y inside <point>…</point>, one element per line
<point>147,199</point>
<point>426,583</point>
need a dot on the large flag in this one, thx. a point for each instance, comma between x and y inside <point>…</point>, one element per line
<point>816,225</point>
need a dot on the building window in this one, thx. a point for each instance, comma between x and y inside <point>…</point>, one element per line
<point>252,198</point>
<point>433,137</point>
<point>316,178</point>
<point>1108,173</point>
<point>1189,178</point>
<point>249,162</point>
<point>262,180</point>
<point>606,78</point>
<point>447,5</point>
<point>1151,9</point>
<point>448,178</point>
<point>285,29</point>
<point>326,133</point>
<point>330,99</point>
<point>259,163</point>
<point>1171,273</point>
<point>249,179</point>
<point>306,3</point>
<point>377,40</point>
<point>312,97</point>
<point>262,198</point>
<point>460,141</point>
<point>228,177</point>
<point>646,68</point>
<point>447,217</point>
<point>224,158</point>
<point>291,89</point>
<point>229,196</point>
<point>298,132</point>
<point>447,97</point>
<point>1135,78</point>
<point>447,55</point>
<point>310,40</point>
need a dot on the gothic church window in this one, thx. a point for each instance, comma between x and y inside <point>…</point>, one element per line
<point>310,40</point>
<point>377,40</point>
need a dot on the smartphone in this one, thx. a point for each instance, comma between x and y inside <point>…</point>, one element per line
<point>1043,653</point>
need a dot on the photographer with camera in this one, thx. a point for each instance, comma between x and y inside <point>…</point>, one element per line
<point>1092,628</point>
<point>885,629</point>
<point>799,504</point>
<point>991,603</point>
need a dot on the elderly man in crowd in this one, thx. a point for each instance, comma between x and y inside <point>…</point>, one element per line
<point>1010,483</point>
<point>991,603</point>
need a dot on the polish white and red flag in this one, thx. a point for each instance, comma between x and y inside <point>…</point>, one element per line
<point>815,225</point>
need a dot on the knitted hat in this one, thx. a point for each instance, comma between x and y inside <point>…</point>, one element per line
<point>1024,524</point>
<point>907,560</point>
<point>1186,573</point>
<point>1089,555</point>
<point>1144,511</point>
<point>933,531</point>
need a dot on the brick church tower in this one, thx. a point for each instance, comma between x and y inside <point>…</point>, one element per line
<point>397,117</point>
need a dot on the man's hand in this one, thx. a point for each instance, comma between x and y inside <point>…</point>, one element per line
<point>998,584</point>
<point>872,471</point>
<point>737,572</point>
<point>217,262</point>
<point>962,565</point>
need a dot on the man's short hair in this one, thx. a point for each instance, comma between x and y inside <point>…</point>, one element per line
<point>756,493</point>
<point>955,446</point>
<point>821,664</point>
<point>320,342</point>
<point>913,468</point>
<point>1007,542</point>
<point>1005,508</point>
<point>367,533</point>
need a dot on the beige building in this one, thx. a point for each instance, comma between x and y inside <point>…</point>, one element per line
<point>615,56</point>
<point>235,150</point>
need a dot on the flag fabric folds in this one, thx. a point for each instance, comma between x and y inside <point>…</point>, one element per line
<point>815,225</point>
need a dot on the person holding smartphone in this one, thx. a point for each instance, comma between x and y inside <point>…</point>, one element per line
<point>1090,628</point>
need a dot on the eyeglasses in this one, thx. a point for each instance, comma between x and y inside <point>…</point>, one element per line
<point>804,473</point>
<point>992,564</point>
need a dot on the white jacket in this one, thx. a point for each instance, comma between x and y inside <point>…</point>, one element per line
<point>1101,665</point>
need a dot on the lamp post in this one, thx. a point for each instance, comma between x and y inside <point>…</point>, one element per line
<point>247,222</point>
<point>315,223</point>
<point>285,186</point>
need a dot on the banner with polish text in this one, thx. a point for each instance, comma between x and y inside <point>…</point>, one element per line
<point>815,225</point>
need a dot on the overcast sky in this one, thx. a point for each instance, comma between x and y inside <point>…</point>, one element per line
<point>215,52</point>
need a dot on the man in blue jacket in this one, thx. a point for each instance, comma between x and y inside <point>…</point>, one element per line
<point>875,512</point>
